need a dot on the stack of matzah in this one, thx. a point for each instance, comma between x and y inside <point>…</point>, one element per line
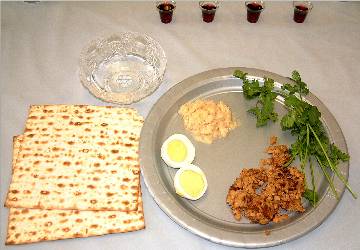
<point>75,174</point>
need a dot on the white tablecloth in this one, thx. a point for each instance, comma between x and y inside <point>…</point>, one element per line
<point>40,45</point>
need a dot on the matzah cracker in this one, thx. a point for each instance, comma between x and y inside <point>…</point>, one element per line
<point>34,225</point>
<point>16,149</point>
<point>60,117</point>
<point>78,157</point>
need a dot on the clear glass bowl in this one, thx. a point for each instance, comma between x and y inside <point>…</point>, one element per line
<point>123,68</point>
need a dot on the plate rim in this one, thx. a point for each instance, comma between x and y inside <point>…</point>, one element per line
<point>182,218</point>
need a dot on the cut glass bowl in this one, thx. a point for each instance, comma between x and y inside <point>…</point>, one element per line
<point>123,68</point>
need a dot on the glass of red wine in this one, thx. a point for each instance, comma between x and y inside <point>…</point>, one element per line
<point>301,9</point>
<point>166,9</point>
<point>208,9</point>
<point>254,9</point>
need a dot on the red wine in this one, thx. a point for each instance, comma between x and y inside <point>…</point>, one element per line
<point>209,6</point>
<point>300,13</point>
<point>208,12</point>
<point>166,12</point>
<point>253,12</point>
<point>302,8</point>
<point>254,6</point>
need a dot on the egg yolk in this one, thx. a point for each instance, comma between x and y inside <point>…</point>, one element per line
<point>192,183</point>
<point>177,151</point>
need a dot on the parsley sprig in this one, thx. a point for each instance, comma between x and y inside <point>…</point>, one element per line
<point>264,109</point>
<point>303,121</point>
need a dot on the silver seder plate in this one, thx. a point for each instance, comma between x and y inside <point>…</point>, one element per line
<point>222,161</point>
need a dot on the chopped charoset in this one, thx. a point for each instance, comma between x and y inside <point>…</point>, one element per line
<point>260,194</point>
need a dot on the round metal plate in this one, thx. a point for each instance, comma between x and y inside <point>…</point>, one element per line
<point>222,161</point>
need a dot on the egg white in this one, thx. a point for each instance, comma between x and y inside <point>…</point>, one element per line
<point>179,189</point>
<point>190,156</point>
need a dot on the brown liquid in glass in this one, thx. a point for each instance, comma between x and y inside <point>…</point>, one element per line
<point>253,12</point>
<point>300,13</point>
<point>166,12</point>
<point>208,12</point>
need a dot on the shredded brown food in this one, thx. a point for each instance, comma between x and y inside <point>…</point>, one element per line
<point>273,140</point>
<point>260,194</point>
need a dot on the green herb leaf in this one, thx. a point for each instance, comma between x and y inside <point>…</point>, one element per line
<point>337,155</point>
<point>264,110</point>
<point>288,120</point>
<point>312,196</point>
<point>296,76</point>
<point>239,74</point>
<point>251,89</point>
<point>313,115</point>
<point>299,87</point>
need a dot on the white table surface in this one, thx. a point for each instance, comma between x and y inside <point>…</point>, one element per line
<point>40,45</point>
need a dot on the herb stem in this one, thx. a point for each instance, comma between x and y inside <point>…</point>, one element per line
<point>335,170</point>
<point>312,180</point>
<point>331,184</point>
<point>303,160</point>
<point>342,178</point>
<point>290,161</point>
<point>302,165</point>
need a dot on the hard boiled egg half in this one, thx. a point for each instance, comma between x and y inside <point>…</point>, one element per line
<point>190,182</point>
<point>177,151</point>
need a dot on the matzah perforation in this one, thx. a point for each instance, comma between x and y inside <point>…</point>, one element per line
<point>30,225</point>
<point>50,161</point>
<point>34,225</point>
<point>59,111</point>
